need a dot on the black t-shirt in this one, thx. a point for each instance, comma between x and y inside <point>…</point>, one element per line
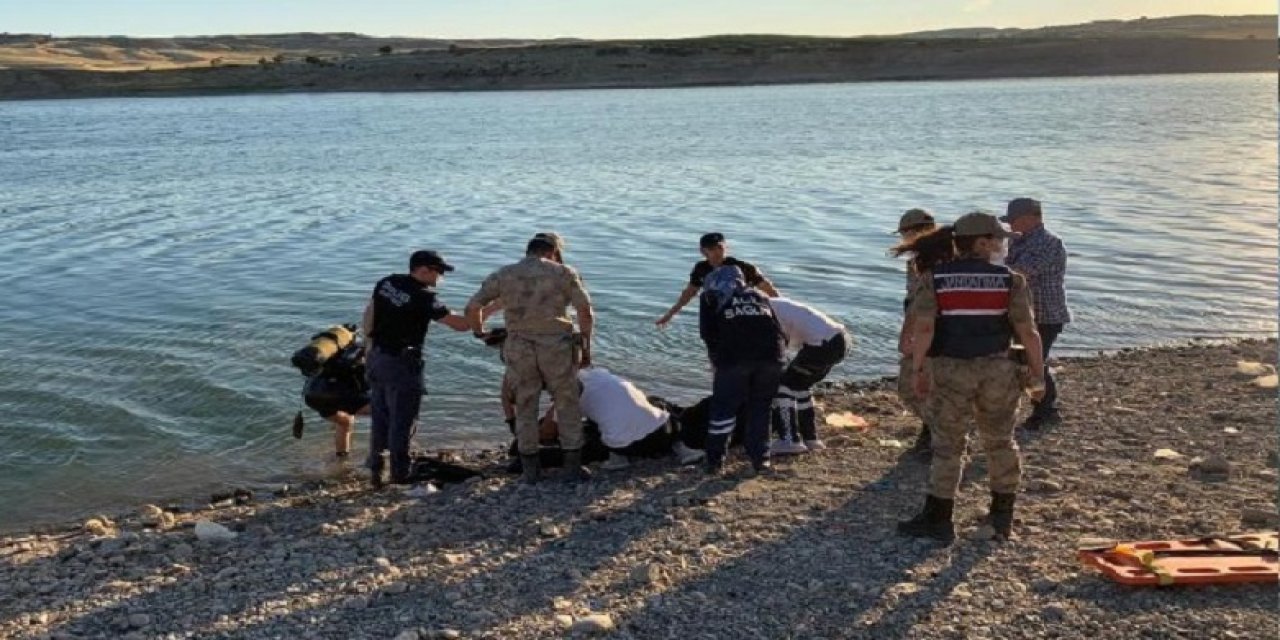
<point>703,268</point>
<point>402,310</point>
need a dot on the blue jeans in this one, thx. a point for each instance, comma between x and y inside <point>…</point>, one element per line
<point>395,396</point>
<point>746,388</point>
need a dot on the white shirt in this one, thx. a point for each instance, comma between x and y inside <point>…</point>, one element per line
<point>622,410</point>
<point>802,324</point>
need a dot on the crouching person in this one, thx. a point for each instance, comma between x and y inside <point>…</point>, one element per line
<point>630,426</point>
<point>822,343</point>
<point>746,347</point>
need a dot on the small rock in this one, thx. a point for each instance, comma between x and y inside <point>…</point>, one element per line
<point>1043,585</point>
<point>98,526</point>
<point>1166,454</point>
<point>213,532</point>
<point>565,621</point>
<point>1053,613</point>
<point>594,623</point>
<point>1044,486</point>
<point>139,620</point>
<point>561,604</point>
<point>1273,458</point>
<point>38,618</point>
<point>356,602</point>
<point>1211,466</point>
<point>1254,517</point>
<point>455,558</point>
<point>549,531</point>
<point>449,634</point>
<point>395,588</point>
<point>650,574</point>
<point>408,634</point>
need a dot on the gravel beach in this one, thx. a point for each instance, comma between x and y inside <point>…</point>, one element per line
<point>658,551</point>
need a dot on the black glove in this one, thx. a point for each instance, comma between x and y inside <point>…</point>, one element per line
<point>494,337</point>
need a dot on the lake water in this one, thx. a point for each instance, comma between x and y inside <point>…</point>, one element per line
<point>162,258</point>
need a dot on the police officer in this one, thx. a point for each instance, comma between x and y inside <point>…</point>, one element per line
<point>747,348</point>
<point>541,348</point>
<point>966,313</point>
<point>395,322</point>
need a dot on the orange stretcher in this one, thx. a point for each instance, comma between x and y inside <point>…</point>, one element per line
<point>1211,560</point>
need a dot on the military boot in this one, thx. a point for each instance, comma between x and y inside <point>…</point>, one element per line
<point>1001,517</point>
<point>923,446</point>
<point>573,469</point>
<point>530,469</point>
<point>933,522</point>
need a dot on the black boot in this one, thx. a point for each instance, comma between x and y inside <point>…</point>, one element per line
<point>530,469</point>
<point>1002,514</point>
<point>381,470</point>
<point>933,522</point>
<point>573,469</point>
<point>923,446</point>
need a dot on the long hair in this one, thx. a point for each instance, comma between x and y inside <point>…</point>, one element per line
<point>929,250</point>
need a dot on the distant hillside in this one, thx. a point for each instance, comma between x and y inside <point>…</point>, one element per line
<point>1230,27</point>
<point>42,67</point>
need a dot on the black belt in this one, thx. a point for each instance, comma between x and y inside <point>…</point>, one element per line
<point>399,350</point>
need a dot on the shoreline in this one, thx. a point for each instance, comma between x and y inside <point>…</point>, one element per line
<point>656,546</point>
<point>665,64</point>
<point>481,452</point>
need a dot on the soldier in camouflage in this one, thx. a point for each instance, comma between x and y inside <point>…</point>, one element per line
<point>912,225</point>
<point>541,348</point>
<point>966,313</point>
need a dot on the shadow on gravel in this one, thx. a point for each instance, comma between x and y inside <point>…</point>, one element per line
<point>1093,588</point>
<point>844,574</point>
<point>542,542</point>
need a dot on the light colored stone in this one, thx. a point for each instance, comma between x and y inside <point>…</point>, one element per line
<point>408,634</point>
<point>564,621</point>
<point>1166,454</point>
<point>1044,486</point>
<point>213,532</point>
<point>98,526</point>
<point>594,623</point>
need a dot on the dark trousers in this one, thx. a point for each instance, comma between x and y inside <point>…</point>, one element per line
<point>1048,404</point>
<point>793,416</point>
<point>395,396</point>
<point>750,387</point>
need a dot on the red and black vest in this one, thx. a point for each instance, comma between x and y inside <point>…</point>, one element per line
<point>973,309</point>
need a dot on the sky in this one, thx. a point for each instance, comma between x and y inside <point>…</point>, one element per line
<point>576,18</point>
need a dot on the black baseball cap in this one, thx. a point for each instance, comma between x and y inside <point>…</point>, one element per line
<point>709,240</point>
<point>429,259</point>
<point>1019,207</point>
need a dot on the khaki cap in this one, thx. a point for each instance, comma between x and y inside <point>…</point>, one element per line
<point>913,218</point>
<point>981,224</point>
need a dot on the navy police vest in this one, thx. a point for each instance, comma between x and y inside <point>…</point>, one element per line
<point>973,309</point>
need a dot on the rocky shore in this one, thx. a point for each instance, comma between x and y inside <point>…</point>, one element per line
<point>662,552</point>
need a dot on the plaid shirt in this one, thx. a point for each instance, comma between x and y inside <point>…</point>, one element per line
<point>1040,256</point>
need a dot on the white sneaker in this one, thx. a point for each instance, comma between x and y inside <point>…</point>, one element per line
<point>688,456</point>
<point>615,462</point>
<point>786,448</point>
<point>815,445</point>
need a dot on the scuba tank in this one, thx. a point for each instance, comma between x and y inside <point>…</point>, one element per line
<point>324,345</point>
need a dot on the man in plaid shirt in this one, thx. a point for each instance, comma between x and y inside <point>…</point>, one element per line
<point>1039,255</point>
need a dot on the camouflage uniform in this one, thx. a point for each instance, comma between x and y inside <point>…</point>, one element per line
<point>906,388</point>
<point>986,389</point>
<point>541,348</point>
